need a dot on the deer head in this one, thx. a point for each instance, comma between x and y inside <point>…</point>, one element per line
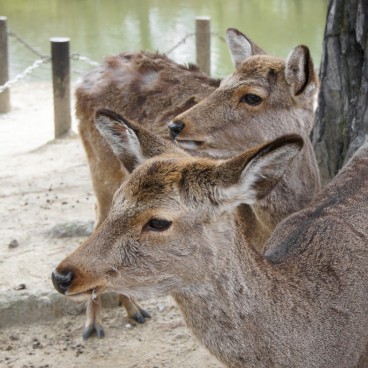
<point>264,98</point>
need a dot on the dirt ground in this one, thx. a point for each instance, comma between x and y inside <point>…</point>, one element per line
<point>164,341</point>
<point>45,185</point>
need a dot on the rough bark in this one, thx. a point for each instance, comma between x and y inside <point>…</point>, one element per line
<point>342,115</point>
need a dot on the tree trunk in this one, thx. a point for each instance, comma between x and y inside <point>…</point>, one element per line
<point>342,115</point>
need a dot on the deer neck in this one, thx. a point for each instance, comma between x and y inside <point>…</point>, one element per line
<point>295,191</point>
<point>222,308</point>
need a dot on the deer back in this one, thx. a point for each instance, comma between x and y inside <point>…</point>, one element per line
<point>146,87</point>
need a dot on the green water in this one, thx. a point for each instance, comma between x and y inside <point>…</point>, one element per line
<point>98,28</point>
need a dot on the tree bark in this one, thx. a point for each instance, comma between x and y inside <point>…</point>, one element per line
<point>342,114</point>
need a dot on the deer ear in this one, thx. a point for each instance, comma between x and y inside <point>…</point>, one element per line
<point>299,71</point>
<point>252,175</point>
<point>131,143</point>
<point>240,46</point>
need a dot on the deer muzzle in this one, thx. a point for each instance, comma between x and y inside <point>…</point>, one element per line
<point>62,281</point>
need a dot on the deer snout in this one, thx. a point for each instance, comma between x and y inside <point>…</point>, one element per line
<point>176,126</point>
<point>62,281</point>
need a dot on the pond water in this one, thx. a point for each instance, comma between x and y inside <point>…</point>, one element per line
<point>98,28</point>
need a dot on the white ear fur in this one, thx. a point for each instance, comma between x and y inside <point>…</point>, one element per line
<point>240,48</point>
<point>260,175</point>
<point>122,139</point>
<point>299,71</point>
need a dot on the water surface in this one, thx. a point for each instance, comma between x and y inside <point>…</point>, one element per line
<point>98,28</point>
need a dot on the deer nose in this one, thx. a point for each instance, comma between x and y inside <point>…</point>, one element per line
<point>62,282</point>
<point>176,126</point>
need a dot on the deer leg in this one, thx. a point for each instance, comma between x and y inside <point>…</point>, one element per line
<point>94,324</point>
<point>93,321</point>
<point>134,310</point>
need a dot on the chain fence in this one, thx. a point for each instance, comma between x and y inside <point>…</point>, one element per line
<point>24,73</point>
<point>78,57</point>
<point>75,56</point>
<point>26,44</point>
<point>43,59</point>
<point>189,35</point>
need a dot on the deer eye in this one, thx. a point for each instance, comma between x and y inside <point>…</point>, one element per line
<point>251,99</point>
<point>157,225</point>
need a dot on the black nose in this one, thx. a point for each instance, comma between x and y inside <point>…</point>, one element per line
<point>176,126</point>
<point>62,282</point>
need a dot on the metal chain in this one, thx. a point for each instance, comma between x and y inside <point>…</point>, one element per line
<point>25,72</point>
<point>74,56</point>
<point>77,56</point>
<point>37,64</point>
<point>26,44</point>
<point>218,36</point>
<point>191,35</point>
<point>180,43</point>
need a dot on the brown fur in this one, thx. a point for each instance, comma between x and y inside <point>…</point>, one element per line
<point>146,87</point>
<point>143,86</point>
<point>222,125</point>
<point>304,304</point>
<point>151,89</point>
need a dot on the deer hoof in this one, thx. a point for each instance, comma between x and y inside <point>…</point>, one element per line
<point>90,329</point>
<point>144,313</point>
<point>141,316</point>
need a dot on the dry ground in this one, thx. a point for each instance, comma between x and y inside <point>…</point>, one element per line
<point>43,184</point>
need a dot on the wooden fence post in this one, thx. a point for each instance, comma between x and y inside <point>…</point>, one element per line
<point>4,66</point>
<point>61,84</point>
<point>203,44</point>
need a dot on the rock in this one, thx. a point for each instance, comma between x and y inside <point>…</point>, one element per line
<point>71,229</point>
<point>20,287</point>
<point>36,344</point>
<point>13,244</point>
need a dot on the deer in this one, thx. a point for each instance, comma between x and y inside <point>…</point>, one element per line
<point>175,227</point>
<point>264,98</point>
<point>144,86</point>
